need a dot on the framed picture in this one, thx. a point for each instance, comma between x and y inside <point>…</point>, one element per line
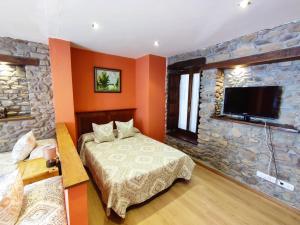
<point>107,80</point>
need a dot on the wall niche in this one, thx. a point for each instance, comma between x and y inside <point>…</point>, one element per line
<point>14,95</point>
<point>26,90</point>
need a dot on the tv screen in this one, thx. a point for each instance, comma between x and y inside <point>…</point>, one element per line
<point>253,101</point>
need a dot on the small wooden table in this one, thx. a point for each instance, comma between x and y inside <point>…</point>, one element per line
<point>35,170</point>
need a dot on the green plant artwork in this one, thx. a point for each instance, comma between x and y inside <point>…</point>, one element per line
<point>107,80</point>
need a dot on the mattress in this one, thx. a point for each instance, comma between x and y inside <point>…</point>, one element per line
<point>132,170</point>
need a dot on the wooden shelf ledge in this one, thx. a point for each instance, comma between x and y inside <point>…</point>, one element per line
<point>283,55</point>
<point>187,65</point>
<point>16,118</point>
<point>73,172</point>
<point>282,127</point>
<point>18,61</point>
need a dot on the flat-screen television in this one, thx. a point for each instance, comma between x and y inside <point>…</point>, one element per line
<point>253,101</point>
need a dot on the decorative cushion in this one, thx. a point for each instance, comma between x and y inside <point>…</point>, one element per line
<point>125,129</point>
<point>103,132</point>
<point>136,130</point>
<point>23,147</point>
<point>49,141</point>
<point>43,203</point>
<point>11,197</point>
<point>38,152</point>
<point>41,146</point>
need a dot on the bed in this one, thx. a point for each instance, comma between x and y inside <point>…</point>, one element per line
<point>129,171</point>
<point>43,203</point>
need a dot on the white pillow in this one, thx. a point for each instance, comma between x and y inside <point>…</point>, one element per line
<point>11,197</point>
<point>38,152</point>
<point>136,130</point>
<point>103,132</point>
<point>125,129</point>
<point>49,141</point>
<point>23,147</point>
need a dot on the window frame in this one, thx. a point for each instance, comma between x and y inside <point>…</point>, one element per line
<point>176,132</point>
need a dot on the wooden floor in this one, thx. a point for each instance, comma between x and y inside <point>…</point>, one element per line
<point>208,199</point>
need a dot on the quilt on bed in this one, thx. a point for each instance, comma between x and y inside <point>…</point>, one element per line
<point>43,203</point>
<point>132,170</point>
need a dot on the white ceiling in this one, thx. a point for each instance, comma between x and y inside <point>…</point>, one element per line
<point>129,27</point>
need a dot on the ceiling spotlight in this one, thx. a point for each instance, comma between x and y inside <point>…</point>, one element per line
<point>156,44</point>
<point>244,4</point>
<point>95,26</point>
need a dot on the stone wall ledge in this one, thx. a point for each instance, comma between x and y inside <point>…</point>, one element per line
<point>275,126</point>
<point>17,118</point>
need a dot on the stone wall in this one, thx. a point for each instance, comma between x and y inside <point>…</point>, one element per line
<point>239,150</point>
<point>36,99</point>
<point>286,74</point>
<point>14,90</point>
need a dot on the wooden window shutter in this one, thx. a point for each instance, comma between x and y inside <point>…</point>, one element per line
<point>173,101</point>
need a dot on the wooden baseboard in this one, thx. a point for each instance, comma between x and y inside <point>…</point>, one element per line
<point>274,200</point>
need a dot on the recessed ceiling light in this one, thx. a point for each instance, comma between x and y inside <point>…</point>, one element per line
<point>95,26</point>
<point>156,44</point>
<point>244,4</point>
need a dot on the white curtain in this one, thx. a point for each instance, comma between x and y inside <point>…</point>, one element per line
<point>183,101</point>
<point>194,103</point>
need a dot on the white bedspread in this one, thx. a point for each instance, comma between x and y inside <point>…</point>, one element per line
<point>132,170</point>
<point>6,163</point>
<point>43,203</point>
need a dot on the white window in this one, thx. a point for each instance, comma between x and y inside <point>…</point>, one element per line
<point>194,103</point>
<point>189,105</point>
<point>183,101</point>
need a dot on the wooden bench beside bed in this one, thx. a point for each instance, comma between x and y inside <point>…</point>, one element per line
<point>75,178</point>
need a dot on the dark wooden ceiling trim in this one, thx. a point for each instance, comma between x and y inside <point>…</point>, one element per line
<point>187,65</point>
<point>20,61</point>
<point>288,54</point>
<point>185,71</point>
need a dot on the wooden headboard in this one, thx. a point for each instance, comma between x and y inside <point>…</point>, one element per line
<point>85,119</point>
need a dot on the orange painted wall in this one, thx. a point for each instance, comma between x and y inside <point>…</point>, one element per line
<point>150,96</point>
<point>83,62</point>
<point>143,88</point>
<point>60,58</point>
<point>77,204</point>
<point>142,83</point>
<point>142,94</point>
<point>157,96</point>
